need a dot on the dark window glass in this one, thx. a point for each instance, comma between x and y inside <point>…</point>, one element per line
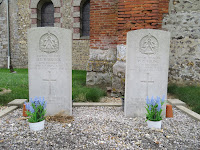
<point>47,15</point>
<point>86,19</point>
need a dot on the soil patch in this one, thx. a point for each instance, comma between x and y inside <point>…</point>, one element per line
<point>4,91</point>
<point>60,117</point>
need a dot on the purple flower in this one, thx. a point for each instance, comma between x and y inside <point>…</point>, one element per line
<point>159,106</point>
<point>148,101</point>
<point>42,102</point>
<point>149,107</point>
<point>163,98</point>
<point>31,100</point>
<point>152,101</point>
<point>158,100</point>
<point>29,107</point>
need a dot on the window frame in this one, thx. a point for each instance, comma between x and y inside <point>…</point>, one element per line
<point>83,4</point>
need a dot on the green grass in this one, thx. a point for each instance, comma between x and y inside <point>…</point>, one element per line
<point>82,93</point>
<point>18,84</point>
<point>189,94</point>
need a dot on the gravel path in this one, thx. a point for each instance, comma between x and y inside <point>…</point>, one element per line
<point>100,128</point>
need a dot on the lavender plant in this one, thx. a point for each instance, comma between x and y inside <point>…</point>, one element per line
<point>154,108</point>
<point>36,109</point>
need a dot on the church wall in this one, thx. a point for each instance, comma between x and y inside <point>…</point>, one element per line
<point>80,54</point>
<point>3,35</point>
<point>103,41</point>
<point>183,22</point>
<point>23,17</point>
<point>144,14</point>
<point>19,24</point>
<point>133,15</point>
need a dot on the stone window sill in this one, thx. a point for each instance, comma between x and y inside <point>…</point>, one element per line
<point>85,37</point>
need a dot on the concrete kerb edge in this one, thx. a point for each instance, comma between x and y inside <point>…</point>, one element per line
<point>7,110</point>
<point>76,104</point>
<point>193,114</point>
<point>187,111</point>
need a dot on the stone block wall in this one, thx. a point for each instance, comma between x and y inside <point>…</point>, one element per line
<point>183,22</point>
<point>119,70</point>
<point>3,36</point>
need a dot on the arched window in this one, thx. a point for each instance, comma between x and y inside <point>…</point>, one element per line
<point>85,18</point>
<point>47,15</point>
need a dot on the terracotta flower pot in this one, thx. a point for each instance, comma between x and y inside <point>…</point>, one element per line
<point>169,111</point>
<point>24,111</point>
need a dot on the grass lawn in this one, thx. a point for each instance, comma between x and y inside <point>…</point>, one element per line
<point>18,84</point>
<point>189,94</point>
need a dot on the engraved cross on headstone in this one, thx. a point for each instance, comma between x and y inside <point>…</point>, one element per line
<point>49,80</point>
<point>147,84</point>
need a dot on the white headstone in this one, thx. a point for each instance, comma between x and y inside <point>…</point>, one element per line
<point>50,67</point>
<point>146,68</point>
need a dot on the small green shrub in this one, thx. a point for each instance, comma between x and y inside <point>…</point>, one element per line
<point>94,94</point>
<point>18,84</point>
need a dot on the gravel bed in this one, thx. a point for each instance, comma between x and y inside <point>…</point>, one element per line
<point>100,128</point>
<point>3,107</point>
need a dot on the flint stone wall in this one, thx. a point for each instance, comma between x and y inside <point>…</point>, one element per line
<point>20,22</point>
<point>80,54</point>
<point>3,36</point>
<point>184,24</point>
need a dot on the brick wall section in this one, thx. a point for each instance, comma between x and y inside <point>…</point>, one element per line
<point>103,24</point>
<point>140,14</point>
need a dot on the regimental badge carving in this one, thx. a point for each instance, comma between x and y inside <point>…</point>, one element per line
<point>49,43</point>
<point>149,45</point>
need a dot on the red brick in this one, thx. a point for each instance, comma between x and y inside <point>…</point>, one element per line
<point>57,9</point>
<point>76,20</point>
<point>57,20</point>
<point>76,8</point>
<point>34,10</point>
<point>34,21</point>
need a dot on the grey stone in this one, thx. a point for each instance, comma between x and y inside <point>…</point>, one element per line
<point>50,67</point>
<point>118,86</point>
<point>7,110</point>
<point>76,14</point>
<point>76,36</point>
<point>97,54</point>
<point>17,102</point>
<point>189,112</point>
<point>147,69</point>
<point>99,66</point>
<point>121,52</point>
<point>34,3</point>
<point>98,78</point>
<point>76,25</point>
<point>176,102</point>
<point>57,15</point>
<point>76,2</point>
<point>119,69</point>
